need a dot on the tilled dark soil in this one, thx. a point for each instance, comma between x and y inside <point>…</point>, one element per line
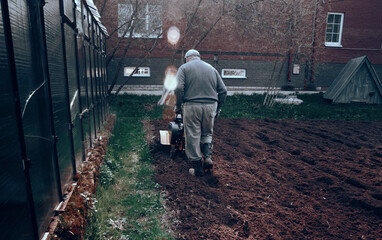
<point>278,179</point>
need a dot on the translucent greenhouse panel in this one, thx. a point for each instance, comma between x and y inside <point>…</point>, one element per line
<point>74,94</point>
<point>105,78</point>
<point>104,86</point>
<point>95,35</point>
<point>82,75</point>
<point>93,89</point>
<point>71,71</point>
<point>90,25</point>
<point>89,92</point>
<point>15,221</point>
<point>83,91</point>
<point>57,82</point>
<point>69,9</point>
<point>85,21</point>
<point>35,108</point>
<point>100,84</point>
<point>98,87</point>
<point>79,16</point>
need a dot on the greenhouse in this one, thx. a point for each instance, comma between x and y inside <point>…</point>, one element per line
<point>53,104</point>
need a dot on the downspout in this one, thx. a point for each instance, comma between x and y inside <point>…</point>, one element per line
<point>313,43</point>
<point>289,64</point>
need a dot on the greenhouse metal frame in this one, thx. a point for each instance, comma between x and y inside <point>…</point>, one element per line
<point>54,102</point>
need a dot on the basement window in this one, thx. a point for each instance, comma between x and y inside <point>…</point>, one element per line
<point>140,72</point>
<point>234,73</point>
<point>334,26</point>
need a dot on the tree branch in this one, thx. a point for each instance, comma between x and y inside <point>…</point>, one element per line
<point>136,68</point>
<point>207,32</point>
<point>103,7</point>
<point>120,62</point>
<point>130,28</point>
<point>185,31</point>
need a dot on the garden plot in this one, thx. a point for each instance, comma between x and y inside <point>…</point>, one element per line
<point>278,179</point>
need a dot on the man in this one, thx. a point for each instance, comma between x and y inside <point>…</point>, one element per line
<point>200,95</point>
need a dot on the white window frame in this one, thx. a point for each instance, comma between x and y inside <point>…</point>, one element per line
<point>141,72</point>
<point>338,43</point>
<point>128,7</point>
<point>224,75</point>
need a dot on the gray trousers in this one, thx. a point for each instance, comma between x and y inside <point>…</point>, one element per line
<point>198,120</point>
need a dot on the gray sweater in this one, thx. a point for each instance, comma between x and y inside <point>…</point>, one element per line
<point>199,82</point>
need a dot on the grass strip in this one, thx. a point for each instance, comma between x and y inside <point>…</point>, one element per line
<point>314,106</point>
<point>129,203</point>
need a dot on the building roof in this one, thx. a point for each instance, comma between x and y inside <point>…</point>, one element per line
<point>346,74</point>
<point>94,11</point>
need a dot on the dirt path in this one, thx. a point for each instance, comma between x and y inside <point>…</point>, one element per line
<point>279,179</point>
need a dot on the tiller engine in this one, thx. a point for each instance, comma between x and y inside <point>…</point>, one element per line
<point>174,136</point>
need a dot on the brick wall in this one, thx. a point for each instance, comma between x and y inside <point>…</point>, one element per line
<point>235,48</point>
<point>258,72</point>
<point>362,32</point>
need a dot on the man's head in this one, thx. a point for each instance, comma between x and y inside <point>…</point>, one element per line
<point>191,54</point>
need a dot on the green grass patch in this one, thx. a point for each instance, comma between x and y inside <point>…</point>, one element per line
<point>129,202</point>
<point>314,106</point>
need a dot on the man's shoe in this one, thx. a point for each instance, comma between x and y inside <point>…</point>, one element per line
<point>197,169</point>
<point>208,164</point>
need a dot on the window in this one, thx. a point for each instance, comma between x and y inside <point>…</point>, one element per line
<point>140,72</point>
<point>234,73</point>
<point>334,29</point>
<point>147,21</point>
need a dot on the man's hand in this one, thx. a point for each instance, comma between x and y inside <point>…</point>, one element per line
<point>217,113</point>
<point>178,110</point>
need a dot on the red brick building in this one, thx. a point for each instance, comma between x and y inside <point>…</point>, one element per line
<point>361,35</point>
<point>295,44</point>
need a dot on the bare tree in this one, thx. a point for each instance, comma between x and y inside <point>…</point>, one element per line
<point>132,30</point>
<point>282,28</point>
<point>197,27</point>
<point>204,18</point>
<point>276,27</point>
<point>189,21</point>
